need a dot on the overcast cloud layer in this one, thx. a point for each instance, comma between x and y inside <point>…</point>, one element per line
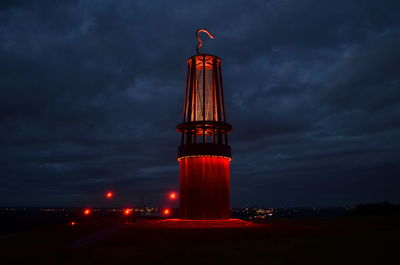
<point>91,92</point>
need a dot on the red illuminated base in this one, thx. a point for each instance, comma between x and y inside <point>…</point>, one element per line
<point>204,188</point>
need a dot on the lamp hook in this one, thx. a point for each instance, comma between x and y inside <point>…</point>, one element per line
<point>199,40</point>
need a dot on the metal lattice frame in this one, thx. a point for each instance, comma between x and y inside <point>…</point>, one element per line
<point>204,117</point>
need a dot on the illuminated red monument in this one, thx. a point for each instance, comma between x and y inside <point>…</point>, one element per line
<point>204,154</point>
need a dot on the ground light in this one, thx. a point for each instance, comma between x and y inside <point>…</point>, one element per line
<point>166,211</point>
<point>127,211</point>
<point>87,212</point>
<point>172,196</point>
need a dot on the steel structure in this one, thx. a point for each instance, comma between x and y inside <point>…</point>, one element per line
<point>204,154</point>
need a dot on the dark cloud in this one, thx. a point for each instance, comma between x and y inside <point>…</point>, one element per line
<point>91,92</point>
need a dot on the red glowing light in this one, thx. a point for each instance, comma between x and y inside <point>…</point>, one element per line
<point>87,211</point>
<point>127,211</point>
<point>210,177</point>
<point>166,211</point>
<point>172,196</point>
<point>109,195</point>
<point>73,223</point>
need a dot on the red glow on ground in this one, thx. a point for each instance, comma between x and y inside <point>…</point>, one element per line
<point>228,223</point>
<point>172,196</point>
<point>87,211</point>
<point>127,211</point>
<point>109,195</point>
<point>166,211</point>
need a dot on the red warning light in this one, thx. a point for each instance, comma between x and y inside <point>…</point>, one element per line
<point>172,196</point>
<point>109,195</point>
<point>127,211</point>
<point>166,211</point>
<point>87,211</point>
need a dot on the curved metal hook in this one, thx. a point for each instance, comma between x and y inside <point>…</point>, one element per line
<point>199,40</point>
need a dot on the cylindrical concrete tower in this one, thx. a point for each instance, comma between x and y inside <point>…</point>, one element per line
<point>204,154</point>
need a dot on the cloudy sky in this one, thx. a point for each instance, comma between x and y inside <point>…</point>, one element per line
<point>91,92</point>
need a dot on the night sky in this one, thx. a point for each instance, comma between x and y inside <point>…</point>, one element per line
<point>91,93</point>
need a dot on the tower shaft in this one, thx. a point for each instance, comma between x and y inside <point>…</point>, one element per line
<point>204,154</point>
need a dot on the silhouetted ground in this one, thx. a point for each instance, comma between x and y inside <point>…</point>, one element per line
<point>339,240</point>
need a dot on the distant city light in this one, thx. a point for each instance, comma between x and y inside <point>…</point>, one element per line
<point>87,211</point>
<point>109,195</point>
<point>172,196</point>
<point>166,211</point>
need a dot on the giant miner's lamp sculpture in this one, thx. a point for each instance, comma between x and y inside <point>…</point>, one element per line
<point>204,154</point>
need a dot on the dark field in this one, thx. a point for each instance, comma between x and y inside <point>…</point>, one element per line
<point>339,240</point>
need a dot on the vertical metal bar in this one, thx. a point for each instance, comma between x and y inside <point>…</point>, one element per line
<point>185,110</point>
<point>222,92</point>
<point>190,98</point>
<point>217,90</point>
<point>204,98</point>
<point>223,103</point>
<point>214,85</point>
<point>186,94</point>
<point>195,95</point>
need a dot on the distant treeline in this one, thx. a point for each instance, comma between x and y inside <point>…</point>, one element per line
<point>381,208</point>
